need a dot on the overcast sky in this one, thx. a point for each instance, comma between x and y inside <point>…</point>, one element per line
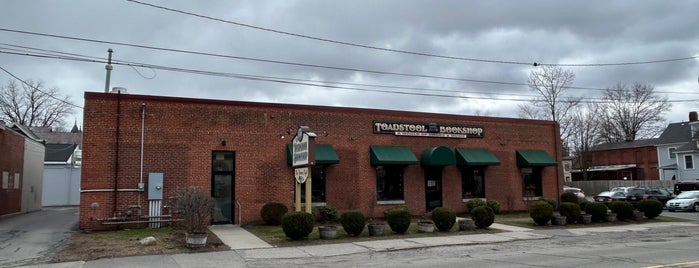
<point>495,42</point>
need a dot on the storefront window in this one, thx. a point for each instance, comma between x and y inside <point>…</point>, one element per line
<point>389,182</point>
<point>317,185</point>
<point>472,182</point>
<point>531,181</point>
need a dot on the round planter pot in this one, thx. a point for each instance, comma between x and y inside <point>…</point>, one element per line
<point>558,220</point>
<point>376,229</point>
<point>196,240</point>
<point>585,219</point>
<point>327,232</point>
<point>425,227</point>
<point>638,216</point>
<point>610,217</point>
<point>466,225</point>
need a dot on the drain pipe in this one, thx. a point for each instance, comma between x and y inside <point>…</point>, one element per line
<point>240,212</point>
<point>116,171</point>
<point>141,186</point>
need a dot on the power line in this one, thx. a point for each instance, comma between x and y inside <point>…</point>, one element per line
<point>283,81</point>
<point>35,88</point>
<point>410,52</point>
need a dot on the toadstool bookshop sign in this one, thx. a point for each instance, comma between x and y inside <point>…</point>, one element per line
<point>303,146</point>
<point>428,130</point>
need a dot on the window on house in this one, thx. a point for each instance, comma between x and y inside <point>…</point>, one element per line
<point>688,162</point>
<point>671,152</point>
<point>472,182</point>
<point>531,182</point>
<point>317,185</point>
<point>389,183</point>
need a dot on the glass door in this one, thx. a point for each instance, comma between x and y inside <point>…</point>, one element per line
<point>223,187</point>
<point>433,187</point>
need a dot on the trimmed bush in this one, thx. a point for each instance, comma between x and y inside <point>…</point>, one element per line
<point>353,222</point>
<point>297,224</point>
<point>597,210</point>
<point>483,216</point>
<point>551,201</point>
<point>570,197</point>
<point>541,212</point>
<point>273,212</point>
<point>474,203</point>
<point>494,205</point>
<point>398,219</point>
<point>623,210</point>
<point>651,208</point>
<point>443,218</point>
<point>327,214</point>
<point>583,203</point>
<point>570,210</point>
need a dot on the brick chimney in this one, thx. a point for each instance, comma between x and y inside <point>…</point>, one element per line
<point>693,116</point>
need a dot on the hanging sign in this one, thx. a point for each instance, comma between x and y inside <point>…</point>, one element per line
<point>301,174</point>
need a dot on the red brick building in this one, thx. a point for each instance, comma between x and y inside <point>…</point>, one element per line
<point>366,159</point>
<point>12,162</point>
<point>633,160</point>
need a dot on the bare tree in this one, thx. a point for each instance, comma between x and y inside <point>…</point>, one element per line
<point>631,113</point>
<point>552,84</point>
<point>33,105</point>
<point>585,127</point>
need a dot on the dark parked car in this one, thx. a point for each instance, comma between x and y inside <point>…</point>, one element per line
<point>682,186</point>
<point>609,196</point>
<point>637,194</point>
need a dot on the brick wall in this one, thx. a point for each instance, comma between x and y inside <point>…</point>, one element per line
<point>645,158</point>
<point>12,162</point>
<point>180,135</point>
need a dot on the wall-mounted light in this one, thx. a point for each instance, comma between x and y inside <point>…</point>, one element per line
<point>223,143</point>
<point>281,136</point>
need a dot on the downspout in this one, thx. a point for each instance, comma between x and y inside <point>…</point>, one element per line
<point>141,186</point>
<point>116,162</point>
<point>559,147</point>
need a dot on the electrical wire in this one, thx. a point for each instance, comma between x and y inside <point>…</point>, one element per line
<point>411,52</point>
<point>37,89</point>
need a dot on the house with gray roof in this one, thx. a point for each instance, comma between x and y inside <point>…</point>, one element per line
<point>678,152</point>
<point>62,165</point>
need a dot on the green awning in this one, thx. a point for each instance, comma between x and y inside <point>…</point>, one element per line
<point>534,158</point>
<point>391,155</point>
<point>325,154</point>
<point>438,156</point>
<point>475,157</point>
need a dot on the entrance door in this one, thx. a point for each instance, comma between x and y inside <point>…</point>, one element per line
<point>433,187</point>
<point>223,186</point>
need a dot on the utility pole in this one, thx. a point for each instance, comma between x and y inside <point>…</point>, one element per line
<point>108,67</point>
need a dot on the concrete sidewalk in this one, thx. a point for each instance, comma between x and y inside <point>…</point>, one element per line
<point>246,246</point>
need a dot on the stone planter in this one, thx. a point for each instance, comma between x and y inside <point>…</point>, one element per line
<point>466,225</point>
<point>610,217</point>
<point>327,232</point>
<point>558,220</point>
<point>425,227</point>
<point>585,219</point>
<point>196,240</point>
<point>638,216</point>
<point>376,229</point>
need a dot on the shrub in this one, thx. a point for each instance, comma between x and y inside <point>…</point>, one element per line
<point>195,207</point>
<point>474,203</point>
<point>597,210</point>
<point>651,208</point>
<point>483,216</point>
<point>623,210</point>
<point>541,212</point>
<point>398,219</point>
<point>297,224</point>
<point>583,203</point>
<point>494,205</point>
<point>443,218</point>
<point>353,222</point>
<point>327,213</point>
<point>570,197</point>
<point>570,210</point>
<point>551,201</point>
<point>273,212</point>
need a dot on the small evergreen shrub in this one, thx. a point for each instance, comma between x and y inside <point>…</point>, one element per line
<point>273,212</point>
<point>597,210</point>
<point>483,216</point>
<point>623,210</point>
<point>494,205</point>
<point>651,208</point>
<point>541,212</point>
<point>551,201</point>
<point>398,219</point>
<point>570,210</point>
<point>327,213</point>
<point>297,224</point>
<point>443,218</point>
<point>582,204</point>
<point>474,203</point>
<point>353,222</point>
<point>570,197</point>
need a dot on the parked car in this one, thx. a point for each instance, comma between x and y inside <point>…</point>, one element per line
<point>687,200</point>
<point>637,194</point>
<point>624,189</point>
<point>577,191</point>
<point>610,196</point>
<point>682,186</point>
